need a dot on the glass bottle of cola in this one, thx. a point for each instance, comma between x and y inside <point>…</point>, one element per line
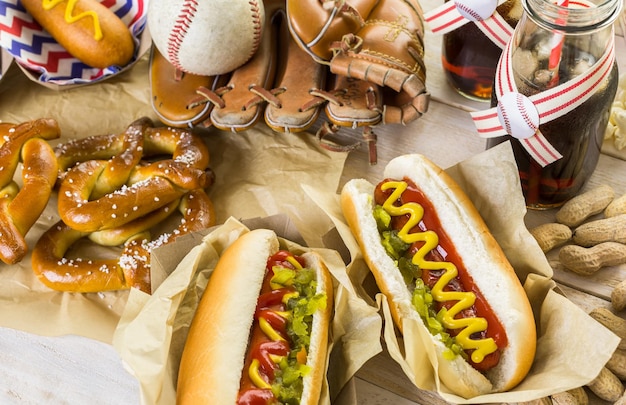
<point>469,57</point>
<point>555,47</point>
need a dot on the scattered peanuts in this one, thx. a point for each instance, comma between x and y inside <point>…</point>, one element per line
<point>563,398</point>
<point>551,235</point>
<point>611,229</point>
<point>588,244</point>
<point>621,401</point>
<point>580,395</point>
<point>616,207</point>
<point>586,261</point>
<point>611,321</point>
<point>575,211</point>
<point>618,296</point>
<point>617,363</point>
<point>576,396</point>
<point>607,386</point>
<point>616,128</point>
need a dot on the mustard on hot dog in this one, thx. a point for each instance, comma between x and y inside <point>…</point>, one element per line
<point>438,264</point>
<point>261,330</point>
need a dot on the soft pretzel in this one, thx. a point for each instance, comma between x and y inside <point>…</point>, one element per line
<point>115,189</point>
<point>120,235</point>
<point>131,269</point>
<point>98,194</point>
<point>20,207</point>
<point>149,188</point>
<point>182,144</point>
<point>125,151</point>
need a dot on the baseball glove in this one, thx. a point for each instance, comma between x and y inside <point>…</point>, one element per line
<point>378,44</point>
<point>362,63</point>
<point>181,99</point>
<point>379,41</point>
<point>280,83</point>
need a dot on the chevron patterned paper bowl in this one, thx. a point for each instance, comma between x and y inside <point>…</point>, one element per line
<point>47,62</point>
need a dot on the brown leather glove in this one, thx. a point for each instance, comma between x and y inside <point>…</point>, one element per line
<point>363,61</point>
<point>280,83</point>
<point>378,44</point>
<point>181,99</point>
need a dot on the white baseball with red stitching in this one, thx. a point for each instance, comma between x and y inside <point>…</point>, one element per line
<point>518,115</point>
<point>206,37</point>
<point>476,10</point>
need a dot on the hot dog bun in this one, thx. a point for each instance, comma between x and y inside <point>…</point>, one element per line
<point>88,30</point>
<point>213,358</point>
<point>482,256</point>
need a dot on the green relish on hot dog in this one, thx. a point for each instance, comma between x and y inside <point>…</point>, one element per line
<point>437,262</point>
<point>260,333</point>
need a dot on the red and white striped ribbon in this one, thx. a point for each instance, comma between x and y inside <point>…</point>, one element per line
<point>447,17</point>
<point>550,104</point>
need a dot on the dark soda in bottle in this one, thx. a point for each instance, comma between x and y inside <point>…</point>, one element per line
<point>578,136</point>
<point>582,37</point>
<point>469,58</point>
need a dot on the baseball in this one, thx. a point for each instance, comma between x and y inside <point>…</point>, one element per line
<point>476,10</point>
<point>206,37</point>
<point>518,115</point>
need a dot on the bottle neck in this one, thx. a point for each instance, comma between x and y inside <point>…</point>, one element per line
<point>581,16</point>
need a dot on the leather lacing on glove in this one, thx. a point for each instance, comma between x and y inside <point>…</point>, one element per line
<point>362,62</point>
<point>379,43</point>
<point>327,133</point>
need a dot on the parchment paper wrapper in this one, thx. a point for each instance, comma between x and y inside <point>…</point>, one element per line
<point>152,331</point>
<point>565,358</point>
<point>257,174</point>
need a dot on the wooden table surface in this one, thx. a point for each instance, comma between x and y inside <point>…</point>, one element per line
<point>69,370</point>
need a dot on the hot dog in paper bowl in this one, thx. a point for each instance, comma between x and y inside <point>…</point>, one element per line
<point>63,53</point>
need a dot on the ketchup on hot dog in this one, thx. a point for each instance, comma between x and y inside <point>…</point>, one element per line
<point>276,359</point>
<point>413,235</point>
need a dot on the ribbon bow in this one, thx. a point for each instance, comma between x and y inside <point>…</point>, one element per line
<point>454,14</point>
<point>514,115</point>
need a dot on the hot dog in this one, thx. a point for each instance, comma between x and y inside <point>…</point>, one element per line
<point>261,329</point>
<point>434,258</point>
<point>88,30</point>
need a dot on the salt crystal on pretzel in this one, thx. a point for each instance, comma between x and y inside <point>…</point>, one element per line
<point>131,269</point>
<point>111,195</point>
<point>181,144</point>
<point>97,194</point>
<point>150,188</point>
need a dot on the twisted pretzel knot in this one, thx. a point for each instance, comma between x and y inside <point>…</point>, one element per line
<point>113,190</point>
<point>21,206</point>
<point>132,268</point>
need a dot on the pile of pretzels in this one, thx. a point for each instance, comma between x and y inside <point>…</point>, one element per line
<point>113,190</point>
